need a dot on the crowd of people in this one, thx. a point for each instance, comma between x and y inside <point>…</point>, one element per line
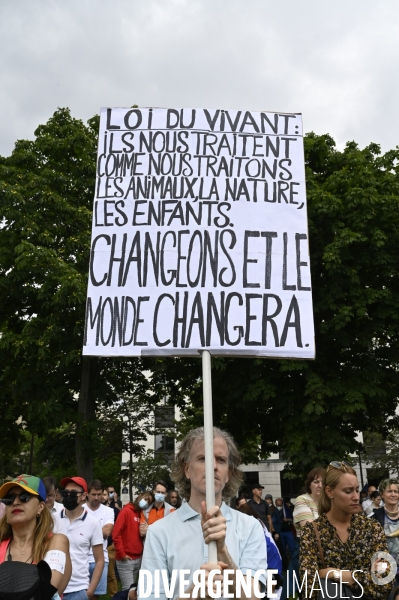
<point>80,541</point>
<point>332,510</point>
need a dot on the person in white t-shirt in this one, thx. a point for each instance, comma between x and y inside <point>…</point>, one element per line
<point>85,535</point>
<point>54,507</point>
<point>51,489</point>
<point>106,517</point>
<point>368,502</point>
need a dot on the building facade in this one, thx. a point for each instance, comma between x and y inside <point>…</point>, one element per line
<point>269,473</point>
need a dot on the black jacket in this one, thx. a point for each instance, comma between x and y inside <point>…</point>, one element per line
<point>379,515</point>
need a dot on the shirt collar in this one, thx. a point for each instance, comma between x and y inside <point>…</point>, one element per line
<point>81,517</point>
<point>186,513</point>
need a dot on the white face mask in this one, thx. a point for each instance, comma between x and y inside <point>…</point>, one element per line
<point>279,507</point>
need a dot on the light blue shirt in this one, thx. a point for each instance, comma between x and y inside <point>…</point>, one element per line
<point>177,542</point>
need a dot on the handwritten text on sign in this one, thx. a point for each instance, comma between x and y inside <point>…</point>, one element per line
<point>199,235</point>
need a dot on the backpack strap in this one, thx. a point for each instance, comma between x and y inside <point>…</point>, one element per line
<point>321,554</point>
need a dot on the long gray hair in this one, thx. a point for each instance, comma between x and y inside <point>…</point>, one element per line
<point>183,484</point>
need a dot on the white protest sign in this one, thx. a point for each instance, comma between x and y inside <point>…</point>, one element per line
<point>199,236</point>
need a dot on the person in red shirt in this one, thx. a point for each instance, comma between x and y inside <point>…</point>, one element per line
<point>127,540</point>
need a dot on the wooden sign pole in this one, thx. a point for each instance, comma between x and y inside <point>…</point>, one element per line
<point>208,442</point>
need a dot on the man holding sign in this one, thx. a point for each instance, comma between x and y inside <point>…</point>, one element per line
<point>180,542</point>
<point>200,244</point>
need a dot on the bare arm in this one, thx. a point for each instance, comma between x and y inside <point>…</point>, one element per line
<point>98,554</point>
<point>61,580</point>
<point>107,530</point>
<point>270,523</point>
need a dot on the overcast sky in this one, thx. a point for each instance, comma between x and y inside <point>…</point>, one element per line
<point>335,62</point>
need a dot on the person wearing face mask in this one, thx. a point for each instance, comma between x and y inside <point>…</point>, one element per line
<point>156,510</point>
<point>278,515</point>
<point>113,498</point>
<point>127,540</point>
<point>84,534</point>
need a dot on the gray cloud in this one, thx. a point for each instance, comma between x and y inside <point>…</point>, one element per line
<point>334,62</point>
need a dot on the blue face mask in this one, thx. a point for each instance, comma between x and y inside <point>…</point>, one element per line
<point>111,494</point>
<point>143,503</point>
<point>159,497</point>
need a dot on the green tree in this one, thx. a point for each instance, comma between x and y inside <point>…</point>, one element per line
<point>312,409</point>
<point>133,415</point>
<point>381,454</point>
<point>309,409</point>
<point>147,469</point>
<point>45,202</point>
<point>46,196</point>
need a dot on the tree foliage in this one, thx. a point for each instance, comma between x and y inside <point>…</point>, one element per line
<point>45,202</point>
<point>147,469</point>
<point>312,409</point>
<point>382,454</point>
<point>309,409</point>
<point>46,195</point>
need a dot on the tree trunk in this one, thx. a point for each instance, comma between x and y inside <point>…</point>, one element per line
<point>86,422</point>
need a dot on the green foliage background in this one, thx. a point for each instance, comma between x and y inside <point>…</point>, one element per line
<point>311,410</point>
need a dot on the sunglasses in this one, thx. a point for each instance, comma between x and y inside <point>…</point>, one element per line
<point>10,499</point>
<point>71,494</point>
<point>339,464</point>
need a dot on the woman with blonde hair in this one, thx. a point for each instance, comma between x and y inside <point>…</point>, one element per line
<point>348,540</point>
<point>26,530</point>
